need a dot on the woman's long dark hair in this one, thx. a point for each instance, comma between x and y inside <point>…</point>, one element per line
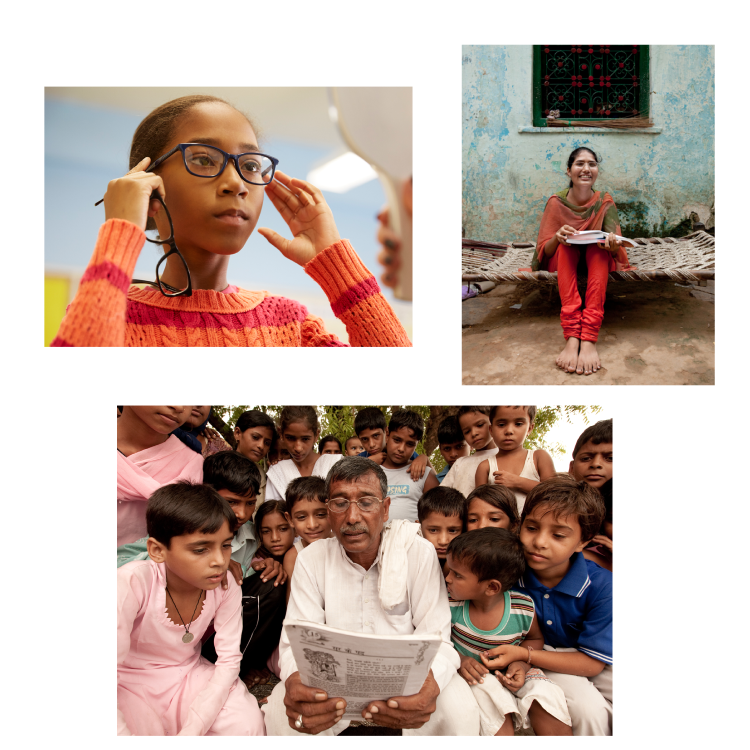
<point>575,153</point>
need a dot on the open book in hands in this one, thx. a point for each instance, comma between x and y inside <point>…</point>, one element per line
<point>590,236</point>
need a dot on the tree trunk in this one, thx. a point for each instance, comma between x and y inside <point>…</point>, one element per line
<point>437,414</point>
<point>221,426</point>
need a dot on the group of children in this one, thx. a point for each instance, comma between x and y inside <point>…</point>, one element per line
<point>526,554</point>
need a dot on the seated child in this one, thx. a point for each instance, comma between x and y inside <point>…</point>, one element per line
<point>513,465</point>
<point>592,463</point>
<point>492,505</point>
<point>573,597</point>
<point>405,430</point>
<point>164,607</point>
<point>441,512</point>
<point>329,444</point>
<point>486,612</point>
<point>353,446</point>
<point>475,427</point>
<point>369,424</point>
<point>236,478</point>
<point>306,505</point>
<point>451,443</point>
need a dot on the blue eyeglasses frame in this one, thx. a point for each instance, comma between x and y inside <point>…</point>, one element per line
<point>227,157</point>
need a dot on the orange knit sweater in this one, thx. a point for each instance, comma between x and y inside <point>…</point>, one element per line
<point>107,311</point>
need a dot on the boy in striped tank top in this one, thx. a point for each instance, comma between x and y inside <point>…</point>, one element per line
<point>486,613</point>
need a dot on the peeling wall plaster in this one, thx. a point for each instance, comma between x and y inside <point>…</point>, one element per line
<point>656,180</point>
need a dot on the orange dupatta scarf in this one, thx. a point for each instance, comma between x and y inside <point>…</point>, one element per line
<point>599,213</point>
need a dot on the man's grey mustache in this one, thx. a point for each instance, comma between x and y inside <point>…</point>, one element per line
<point>356,528</point>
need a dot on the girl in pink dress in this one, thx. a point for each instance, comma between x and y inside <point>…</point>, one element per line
<point>164,607</point>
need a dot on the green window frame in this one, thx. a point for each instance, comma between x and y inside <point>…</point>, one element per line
<point>590,81</point>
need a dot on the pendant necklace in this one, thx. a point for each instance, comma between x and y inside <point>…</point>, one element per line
<point>188,635</point>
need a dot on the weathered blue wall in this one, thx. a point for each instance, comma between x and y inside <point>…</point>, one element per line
<point>656,179</point>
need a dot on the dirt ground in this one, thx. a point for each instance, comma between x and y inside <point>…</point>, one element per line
<point>653,333</point>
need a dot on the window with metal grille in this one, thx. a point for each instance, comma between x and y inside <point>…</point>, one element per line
<point>590,81</point>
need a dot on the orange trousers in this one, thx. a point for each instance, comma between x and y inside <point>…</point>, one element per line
<point>583,324</point>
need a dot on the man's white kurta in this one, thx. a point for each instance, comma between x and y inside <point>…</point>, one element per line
<point>327,587</point>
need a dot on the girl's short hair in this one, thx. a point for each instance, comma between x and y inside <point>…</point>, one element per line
<point>270,506</point>
<point>186,508</point>
<point>255,418</point>
<point>530,410</point>
<point>156,129</point>
<point>369,418</point>
<point>562,495</point>
<point>500,497</point>
<point>575,153</point>
<point>305,488</point>
<point>598,433</point>
<point>305,414</point>
<point>328,439</point>
<point>490,553</point>
<point>229,470</point>
<point>409,419</point>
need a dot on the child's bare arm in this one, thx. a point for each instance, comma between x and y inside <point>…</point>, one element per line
<point>482,473</point>
<point>565,662</point>
<point>377,458</point>
<point>290,558</point>
<point>418,467</point>
<point>534,638</point>
<point>544,465</point>
<point>431,481</point>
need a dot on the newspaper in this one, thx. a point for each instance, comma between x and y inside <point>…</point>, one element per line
<point>360,667</point>
<point>591,236</point>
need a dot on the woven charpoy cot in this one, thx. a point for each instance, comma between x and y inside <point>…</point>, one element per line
<point>685,259</point>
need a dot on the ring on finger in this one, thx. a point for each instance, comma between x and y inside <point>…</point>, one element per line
<point>299,723</point>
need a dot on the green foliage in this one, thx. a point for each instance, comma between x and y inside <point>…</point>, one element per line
<point>339,422</point>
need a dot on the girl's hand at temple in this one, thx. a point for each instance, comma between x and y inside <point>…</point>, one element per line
<point>308,216</point>
<point>128,197</point>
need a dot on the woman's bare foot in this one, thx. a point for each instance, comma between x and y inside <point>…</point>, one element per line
<point>588,359</point>
<point>568,358</point>
<point>256,677</point>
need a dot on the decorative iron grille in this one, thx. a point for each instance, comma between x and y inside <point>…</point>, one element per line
<point>590,81</point>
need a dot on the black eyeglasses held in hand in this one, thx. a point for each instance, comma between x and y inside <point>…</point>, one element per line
<point>187,291</point>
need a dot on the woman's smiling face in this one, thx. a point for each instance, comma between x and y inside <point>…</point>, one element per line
<point>199,205</point>
<point>584,170</point>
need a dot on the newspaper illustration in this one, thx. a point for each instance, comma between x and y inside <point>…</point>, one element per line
<point>360,667</point>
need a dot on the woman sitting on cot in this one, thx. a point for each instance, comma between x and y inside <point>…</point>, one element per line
<point>575,209</point>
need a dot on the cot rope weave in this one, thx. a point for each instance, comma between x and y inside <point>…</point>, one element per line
<point>684,259</point>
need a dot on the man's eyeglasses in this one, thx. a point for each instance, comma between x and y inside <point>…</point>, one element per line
<point>365,504</point>
<point>202,160</point>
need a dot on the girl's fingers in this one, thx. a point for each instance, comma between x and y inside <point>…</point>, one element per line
<point>279,242</point>
<point>285,203</point>
<point>142,165</point>
<point>312,195</point>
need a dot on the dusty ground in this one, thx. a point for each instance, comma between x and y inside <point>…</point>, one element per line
<point>653,333</point>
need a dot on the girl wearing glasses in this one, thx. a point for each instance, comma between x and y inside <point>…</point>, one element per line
<point>198,176</point>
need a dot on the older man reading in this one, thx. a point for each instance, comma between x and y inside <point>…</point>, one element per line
<point>371,578</point>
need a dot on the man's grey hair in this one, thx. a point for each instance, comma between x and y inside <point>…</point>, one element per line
<point>351,468</point>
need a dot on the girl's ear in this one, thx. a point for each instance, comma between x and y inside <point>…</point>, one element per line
<point>156,550</point>
<point>237,433</point>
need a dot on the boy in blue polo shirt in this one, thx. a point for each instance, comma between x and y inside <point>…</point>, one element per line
<point>572,597</point>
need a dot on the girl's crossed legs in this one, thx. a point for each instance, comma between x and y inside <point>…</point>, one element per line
<point>581,327</point>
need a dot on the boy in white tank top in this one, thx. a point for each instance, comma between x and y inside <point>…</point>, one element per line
<point>513,466</point>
